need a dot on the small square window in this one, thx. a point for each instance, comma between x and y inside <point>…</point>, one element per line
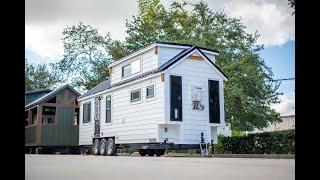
<point>135,95</point>
<point>150,91</point>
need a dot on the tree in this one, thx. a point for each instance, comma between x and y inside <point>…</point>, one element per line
<point>40,76</point>
<point>250,89</point>
<point>85,62</point>
<point>292,5</point>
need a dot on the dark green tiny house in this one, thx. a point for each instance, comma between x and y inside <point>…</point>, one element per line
<point>52,119</point>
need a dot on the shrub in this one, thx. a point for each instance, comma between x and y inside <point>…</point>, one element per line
<point>279,142</point>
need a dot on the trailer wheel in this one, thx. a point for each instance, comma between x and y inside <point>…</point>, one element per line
<point>151,152</point>
<point>111,147</point>
<point>142,152</point>
<point>103,146</point>
<point>95,147</point>
<point>159,152</point>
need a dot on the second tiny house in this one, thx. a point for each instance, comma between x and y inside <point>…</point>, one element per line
<point>163,96</point>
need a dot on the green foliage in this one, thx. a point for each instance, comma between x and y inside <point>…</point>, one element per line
<point>250,89</point>
<point>85,59</point>
<point>40,76</point>
<point>127,150</point>
<point>237,133</point>
<point>279,142</point>
<point>292,4</point>
<point>191,151</point>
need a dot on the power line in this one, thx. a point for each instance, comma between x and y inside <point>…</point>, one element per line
<point>285,79</point>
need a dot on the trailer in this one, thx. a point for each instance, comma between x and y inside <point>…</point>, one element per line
<point>163,96</point>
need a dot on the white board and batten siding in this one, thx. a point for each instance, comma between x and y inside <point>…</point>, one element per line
<point>194,73</point>
<point>131,122</point>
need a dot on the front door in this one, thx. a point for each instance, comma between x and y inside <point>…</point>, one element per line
<point>97,112</point>
<point>214,104</point>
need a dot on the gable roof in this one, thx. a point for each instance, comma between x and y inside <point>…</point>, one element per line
<point>183,54</point>
<point>50,95</point>
<point>38,91</point>
<point>157,43</point>
<point>106,84</point>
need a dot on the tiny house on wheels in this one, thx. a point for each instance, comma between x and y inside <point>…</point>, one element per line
<point>52,120</point>
<point>163,96</point>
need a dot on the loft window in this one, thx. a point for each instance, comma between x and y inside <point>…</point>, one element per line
<point>86,112</point>
<point>48,115</point>
<point>76,117</point>
<point>150,91</point>
<point>132,68</point>
<point>108,109</point>
<point>126,70</point>
<point>135,95</point>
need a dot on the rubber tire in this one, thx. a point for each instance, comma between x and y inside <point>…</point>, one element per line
<point>159,152</point>
<point>150,152</point>
<point>142,152</point>
<point>103,147</point>
<point>111,151</point>
<point>96,147</point>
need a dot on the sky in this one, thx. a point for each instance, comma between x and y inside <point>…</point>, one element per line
<point>46,19</point>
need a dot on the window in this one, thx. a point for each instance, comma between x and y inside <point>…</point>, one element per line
<point>132,68</point>
<point>48,114</point>
<point>26,114</point>
<point>126,70</point>
<point>135,95</point>
<point>97,107</point>
<point>34,115</point>
<point>150,91</point>
<point>86,112</point>
<point>76,117</point>
<point>135,67</point>
<point>108,109</point>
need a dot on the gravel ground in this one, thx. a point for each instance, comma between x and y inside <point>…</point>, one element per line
<point>84,167</point>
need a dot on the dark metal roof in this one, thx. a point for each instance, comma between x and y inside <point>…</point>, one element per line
<point>37,91</point>
<point>98,88</point>
<point>50,95</point>
<point>106,84</point>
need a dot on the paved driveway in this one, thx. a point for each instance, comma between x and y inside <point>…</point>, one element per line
<point>81,167</point>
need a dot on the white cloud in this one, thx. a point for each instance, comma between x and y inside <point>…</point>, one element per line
<point>45,20</point>
<point>286,105</point>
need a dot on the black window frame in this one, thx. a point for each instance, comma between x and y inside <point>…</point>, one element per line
<point>86,108</point>
<point>108,109</point>
<point>214,107</point>
<point>153,94</point>
<point>135,100</point>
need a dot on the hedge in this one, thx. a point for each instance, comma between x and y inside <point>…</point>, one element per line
<point>279,142</point>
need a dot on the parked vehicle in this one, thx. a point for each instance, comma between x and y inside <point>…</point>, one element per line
<point>163,96</point>
<point>52,120</point>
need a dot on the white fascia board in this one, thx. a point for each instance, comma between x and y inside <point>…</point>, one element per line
<point>118,87</point>
<point>187,55</point>
<point>186,47</point>
<point>132,55</point>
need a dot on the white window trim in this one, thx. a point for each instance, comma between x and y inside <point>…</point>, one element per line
<point>154,92</point>
<point>135,59</point>
<point>105,111</point>
<point>136,101</point>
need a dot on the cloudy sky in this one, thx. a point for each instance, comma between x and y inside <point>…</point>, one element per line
<point>45,20</point>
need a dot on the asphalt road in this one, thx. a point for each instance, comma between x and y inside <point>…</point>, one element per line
<point>88,167</point>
